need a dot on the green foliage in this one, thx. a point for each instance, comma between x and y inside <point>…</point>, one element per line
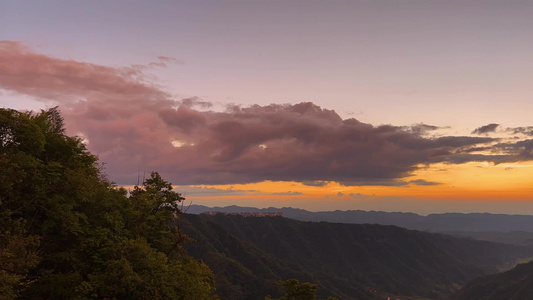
<point>294,290</point>
<point>66,232</point>
<point>154,206</point>
<point>297,291</point>
<point>141,272</point>
<point>18,254</point>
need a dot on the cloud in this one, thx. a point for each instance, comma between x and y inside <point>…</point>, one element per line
<point>195,191</point>
<point>361,196</point>
<point>195,102</point>
<point>134,125</point>
<point>526,130</point>
<point>67,81</point>
<point>423,182</point>
<point>289,193</point>
<point>486,129</point>
<point>421,128</point>
<point>474,149</point>
<point>158,64</point>
<point>317,183</point>
<point>199,191</point>
<point>517,151</point>
<point>168,59</point>
<point>163,62</point>
<point>388,182</point>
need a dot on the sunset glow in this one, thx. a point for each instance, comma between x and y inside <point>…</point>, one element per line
<point>367,105</point>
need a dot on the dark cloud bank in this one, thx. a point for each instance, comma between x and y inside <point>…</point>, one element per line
<point>134,125</point>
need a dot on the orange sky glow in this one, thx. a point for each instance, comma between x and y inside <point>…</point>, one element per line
<point>420,106</point>
<point>469,184</point>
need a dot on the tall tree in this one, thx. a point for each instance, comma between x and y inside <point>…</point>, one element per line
<point>66,232</point>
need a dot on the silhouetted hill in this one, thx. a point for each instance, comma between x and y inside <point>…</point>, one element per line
<point>513,284</point>
<point>448,222</point>
<point>350,261</point>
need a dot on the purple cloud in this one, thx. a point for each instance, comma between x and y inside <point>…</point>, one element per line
<point>486,129</point>
<point>133,125</point>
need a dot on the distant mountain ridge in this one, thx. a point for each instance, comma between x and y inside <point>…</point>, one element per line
<point>446,222</point>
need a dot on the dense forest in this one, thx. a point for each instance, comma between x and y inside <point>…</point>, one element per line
<point>350,261</point>
<point>66,232</point>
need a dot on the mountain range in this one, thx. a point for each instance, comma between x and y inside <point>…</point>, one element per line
<point>446,222</point>
<point>249,255</point>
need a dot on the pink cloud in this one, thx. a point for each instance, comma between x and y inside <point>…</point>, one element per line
<point>68,81</point>
<point>133,125</point>
<point>168,59</point>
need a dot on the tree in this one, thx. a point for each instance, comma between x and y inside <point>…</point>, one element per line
<point>66,232</point>
<point>21,141</point>
<point>298,291</point>
<point>18,254</point>
<point>155,205</point>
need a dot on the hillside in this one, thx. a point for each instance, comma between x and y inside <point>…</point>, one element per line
<point>522,238</point>
<point>513,284</point>
<point>349,261</point>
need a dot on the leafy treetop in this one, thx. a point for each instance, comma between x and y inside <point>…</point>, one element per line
<point>66,232</point>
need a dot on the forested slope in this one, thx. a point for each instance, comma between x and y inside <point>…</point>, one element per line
<point>515,284</point>
<point>349,261</point>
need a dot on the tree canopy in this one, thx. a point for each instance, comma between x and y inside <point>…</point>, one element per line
<point>67,232</point>
<point>294,290</point>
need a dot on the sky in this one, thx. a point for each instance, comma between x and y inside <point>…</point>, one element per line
<point>403,105</point>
